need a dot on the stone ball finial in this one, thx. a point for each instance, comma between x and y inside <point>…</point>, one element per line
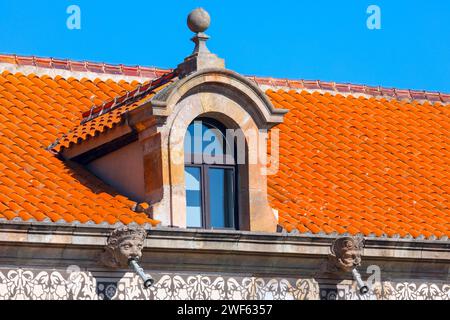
<point>199,20</point>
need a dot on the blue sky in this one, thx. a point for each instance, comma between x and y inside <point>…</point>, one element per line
<point>321,39</point>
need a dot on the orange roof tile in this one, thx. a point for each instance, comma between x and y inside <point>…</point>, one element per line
<point>109,114</point>
<point>93,128</point>
<point>362,165</point>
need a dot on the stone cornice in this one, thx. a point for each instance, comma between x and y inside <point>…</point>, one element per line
<point>169,239</point>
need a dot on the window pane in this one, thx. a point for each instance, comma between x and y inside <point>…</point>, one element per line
<point>193,197</point>
<point>213,140</point>
<point>221,193</point>
<point>204,143</point>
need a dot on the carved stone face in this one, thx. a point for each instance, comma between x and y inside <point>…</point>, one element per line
<point>350,255</point>
<point>124,244</point>
<point>347,253</point>
<point>129,249</point>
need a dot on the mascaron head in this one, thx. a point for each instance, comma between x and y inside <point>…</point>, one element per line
<point>124,244</point>
<point>346,252</point>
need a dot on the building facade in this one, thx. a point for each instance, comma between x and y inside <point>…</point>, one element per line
<point>220,186</point>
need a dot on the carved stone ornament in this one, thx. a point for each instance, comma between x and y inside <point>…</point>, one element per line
<point>201,58</point>
<point>346,254</point>
<point>124,244</point>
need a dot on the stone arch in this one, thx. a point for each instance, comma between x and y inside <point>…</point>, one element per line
<point>225,82</point>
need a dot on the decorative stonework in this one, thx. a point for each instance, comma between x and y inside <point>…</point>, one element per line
<point>413,291</point>
<point>199,21</point>
<point>124,244</point>
<point>24,284</point>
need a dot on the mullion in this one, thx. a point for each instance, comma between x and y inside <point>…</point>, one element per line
<point>206,204</point>
<point>236,198</point>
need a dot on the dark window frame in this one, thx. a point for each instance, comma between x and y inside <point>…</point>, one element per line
<point>205,195</point>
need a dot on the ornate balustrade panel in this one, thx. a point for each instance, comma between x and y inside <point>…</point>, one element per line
<point>73,284</point>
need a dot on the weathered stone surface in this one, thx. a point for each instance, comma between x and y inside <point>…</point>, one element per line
<point>199,20</point>
<point>124,244</point>
<point>286,266</point>
<point>346,253</point>
<point>76,282</point>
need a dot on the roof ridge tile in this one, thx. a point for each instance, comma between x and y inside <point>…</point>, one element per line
<point>154,72</point>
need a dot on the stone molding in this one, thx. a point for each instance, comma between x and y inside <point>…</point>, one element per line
<point>94,237</point>
<point>265,114</point>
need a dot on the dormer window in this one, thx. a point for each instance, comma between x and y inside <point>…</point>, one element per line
<point>197,182</point>
<point>210,171</point>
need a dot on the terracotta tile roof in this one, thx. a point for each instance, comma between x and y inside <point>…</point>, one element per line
<point>34,183</point>
<point>349,88</point>
<point>369,164</point>
<point>361,165</point>
<point>92,128</point>
<point>109,114</point>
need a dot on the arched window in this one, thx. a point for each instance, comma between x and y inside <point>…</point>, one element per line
<point>210,171</point>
